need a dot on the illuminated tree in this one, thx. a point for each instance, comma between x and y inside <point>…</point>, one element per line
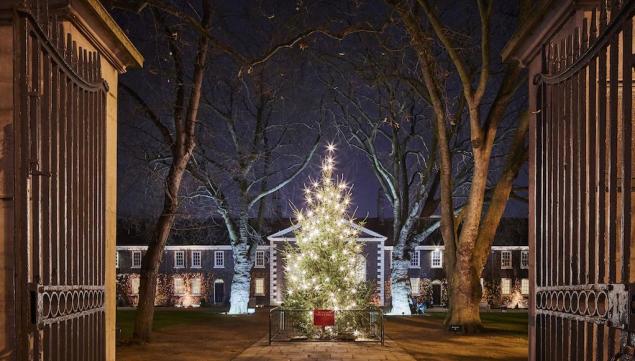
<point>323,267</point>
<point>489,97</point>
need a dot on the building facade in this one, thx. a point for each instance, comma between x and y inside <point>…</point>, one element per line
<point>200,275</point>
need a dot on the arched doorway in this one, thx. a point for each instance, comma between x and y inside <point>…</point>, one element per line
<point>219,291</point>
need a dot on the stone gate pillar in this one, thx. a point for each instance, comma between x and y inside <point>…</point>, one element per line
<point>91,27</point>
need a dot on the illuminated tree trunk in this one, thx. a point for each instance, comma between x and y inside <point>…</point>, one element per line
<point>464,293</point>
<point>239,296</point>
<point>400,289</point>
<point>242,254</point>
<point>468,238</point>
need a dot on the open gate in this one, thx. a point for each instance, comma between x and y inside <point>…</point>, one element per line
<point>59,187</point>
<point>583,188</point>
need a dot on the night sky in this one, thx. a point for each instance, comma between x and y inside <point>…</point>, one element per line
<point>251,27</point>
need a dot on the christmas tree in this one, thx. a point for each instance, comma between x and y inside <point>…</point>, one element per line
<point>325,268</point>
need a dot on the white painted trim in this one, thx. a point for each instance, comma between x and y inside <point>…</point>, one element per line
<point>494,248</point>
<point>418,282</point>
<point>264,285</point>
<point>222,253</point>
<point>432,266</point>
<point>429,248</point>
<point>367,231</point>
<point>510,248</point>
<point>521,259</point>
<point>272,284</point>
<point>511,286</point>
<point>264,262</point>
<point>178,277</point>
<point>382,272</point>
<point>183,253</point>
<point>132,265</point>
<point>186,248</point>
<point>218,280</point>
<point>278,236</point>
<point>200,285</point>
<point>511,260</point>
<point>521,286</point>
<point>418,264</point>
<point>284,231</point>
<point>361,239</point>
<point>200,259</point>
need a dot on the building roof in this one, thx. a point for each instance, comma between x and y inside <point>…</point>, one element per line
<point>102,31</point>
<point>138,232</point>
<point>92,20</point>
<point>364,233</point>
<point>542,18</point>
<point>511,231</point>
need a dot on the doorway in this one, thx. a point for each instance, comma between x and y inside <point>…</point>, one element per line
<point>436,294</point>
<point>219,291</point>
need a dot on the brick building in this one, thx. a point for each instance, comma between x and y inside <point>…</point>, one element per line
<point>197,266</point>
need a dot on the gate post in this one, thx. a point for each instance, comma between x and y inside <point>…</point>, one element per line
<point>30,253</point>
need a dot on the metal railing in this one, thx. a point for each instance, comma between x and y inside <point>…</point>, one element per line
<point>360,325</point>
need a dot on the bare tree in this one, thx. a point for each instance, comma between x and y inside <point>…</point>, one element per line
<point>172,20</point>
<point>179,135</point>
<point>249,150</point>
<point>467,236</point>
<point>382,110</point>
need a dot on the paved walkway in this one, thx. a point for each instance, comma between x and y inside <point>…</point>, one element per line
<point>336,351</point>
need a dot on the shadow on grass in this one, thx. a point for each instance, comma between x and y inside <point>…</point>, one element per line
<point>166,317</point>
<point>190,335</point>
<point>426,338</point>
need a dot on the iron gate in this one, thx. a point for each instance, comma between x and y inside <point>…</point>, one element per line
<point>583,144</point>
<point>59,220</point>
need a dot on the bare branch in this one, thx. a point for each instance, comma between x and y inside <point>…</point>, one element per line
<point>165,131</point>
<point>286,181</point>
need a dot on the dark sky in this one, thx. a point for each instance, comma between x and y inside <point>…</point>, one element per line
<point>251,27</point>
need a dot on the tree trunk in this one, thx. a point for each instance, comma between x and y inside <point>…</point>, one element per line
<point>184,143</point>
<point>239,296</point>
<point>242,251</point>
<point>465,253</point>
<point>400,289</point>
<point>464,298</point>
<point>152,258</point>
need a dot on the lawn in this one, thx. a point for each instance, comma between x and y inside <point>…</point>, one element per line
<point>425,337</point>
<point>205,334</point>
<point>200,334</point>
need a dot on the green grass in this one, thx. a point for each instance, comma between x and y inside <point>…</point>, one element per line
<point>510,323</point>
<point>167,317</point>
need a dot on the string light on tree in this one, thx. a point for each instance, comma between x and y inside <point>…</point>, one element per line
<point>322,265</point>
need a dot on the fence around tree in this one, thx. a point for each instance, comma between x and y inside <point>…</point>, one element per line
<point>366,325</point>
